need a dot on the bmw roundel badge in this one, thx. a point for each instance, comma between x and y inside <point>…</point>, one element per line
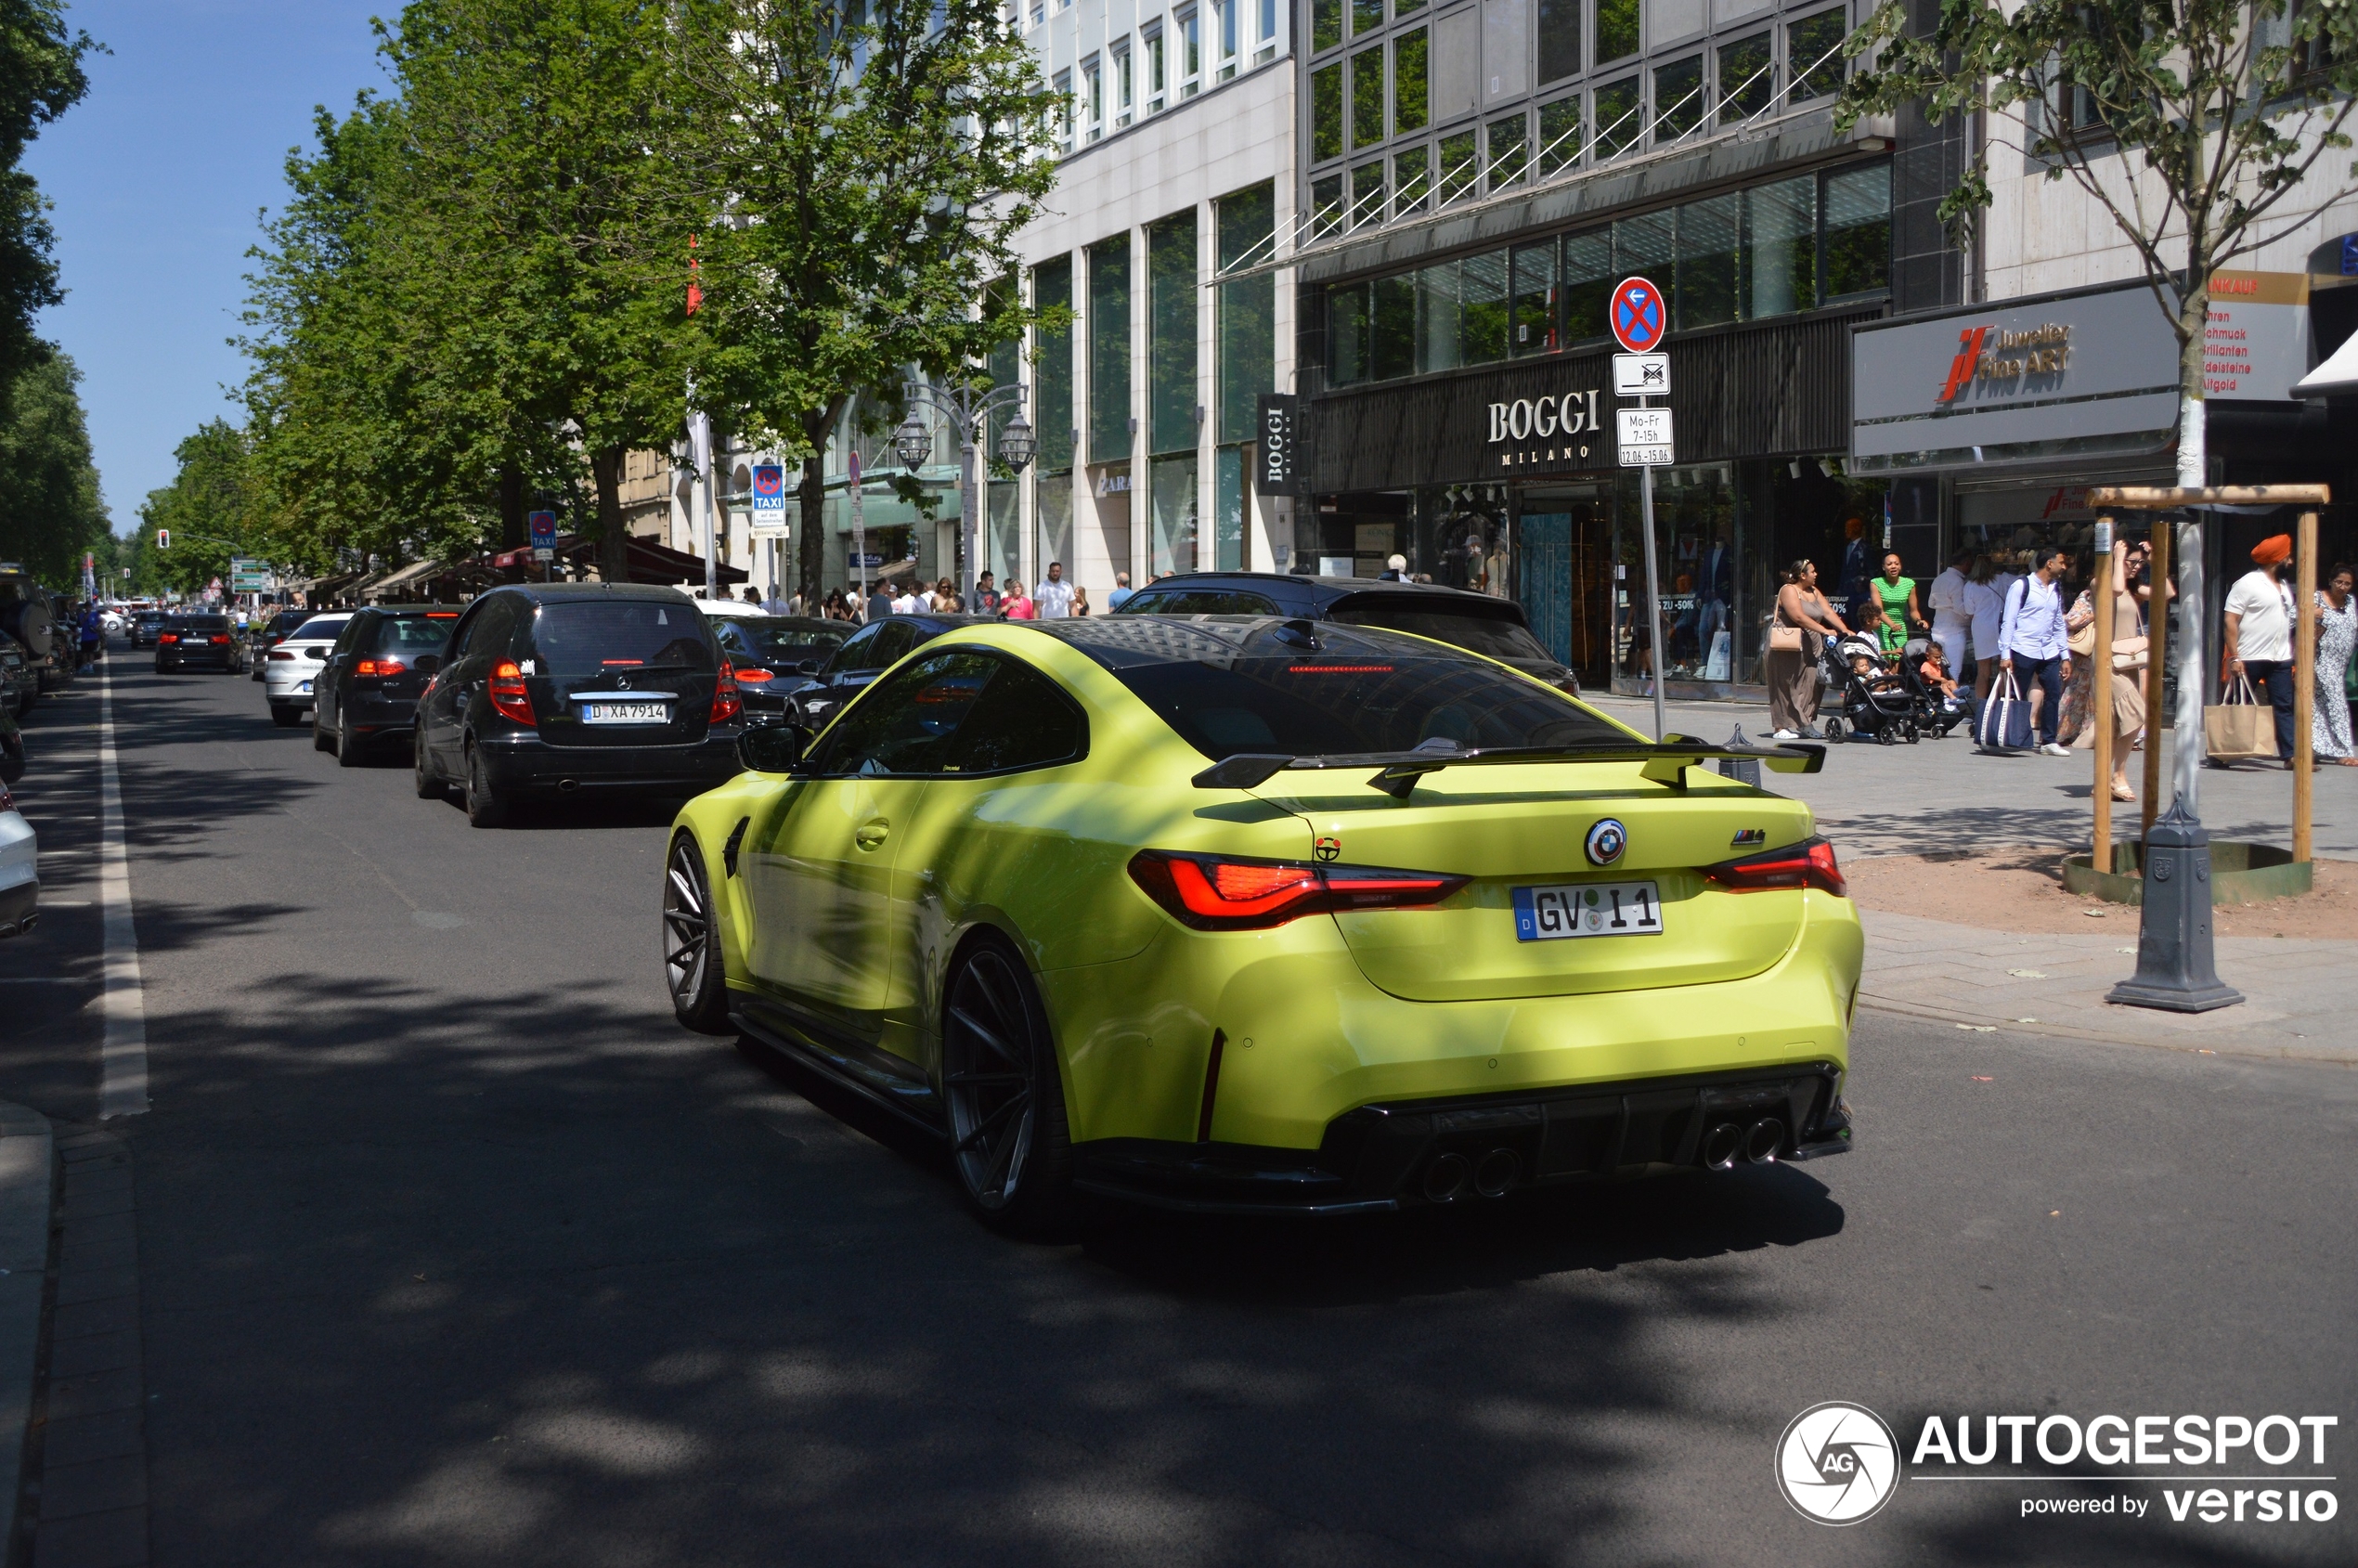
<point>1606,841</point>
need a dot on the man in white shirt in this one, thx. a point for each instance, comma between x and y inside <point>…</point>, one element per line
<point>2259,628</point>
<point>1054,596</point>
<point>2032,642</point>
<point>907,603</point>
<point>1952,621</point>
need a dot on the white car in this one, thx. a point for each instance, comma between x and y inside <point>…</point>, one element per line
<point>20,870</point>
<point>289,669</point>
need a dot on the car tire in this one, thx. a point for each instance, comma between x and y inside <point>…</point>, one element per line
<point>321,739</point>
<point>692,971</point>
<point>285,716</point>
<point>1009,1141</point>
<point>348,753</point>
<point>430,785</point>
<point>486,805</point>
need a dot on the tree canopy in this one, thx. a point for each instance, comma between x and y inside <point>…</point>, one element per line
<point>50,511</point>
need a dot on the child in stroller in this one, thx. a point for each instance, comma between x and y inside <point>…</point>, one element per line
<point>1939,707</point>
<point>1878,703</point>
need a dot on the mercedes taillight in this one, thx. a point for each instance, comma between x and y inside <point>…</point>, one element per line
<point>509,696</point>
<point>727,704</point>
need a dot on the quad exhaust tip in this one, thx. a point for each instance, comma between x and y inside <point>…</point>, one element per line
<point>1757,1144</point>
<point>1763,1139</point>
<point>1721,1144</point>
<point>1446,1178</point>
<point>1497,1173</point>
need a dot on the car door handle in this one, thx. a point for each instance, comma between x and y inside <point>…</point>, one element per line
<point>872,834</point>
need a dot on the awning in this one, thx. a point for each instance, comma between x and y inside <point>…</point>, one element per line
<point>417,571</point>
<point>2337,376</point>
<point>652,563</point>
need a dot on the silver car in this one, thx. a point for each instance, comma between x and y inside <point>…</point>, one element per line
<point>289,668</point>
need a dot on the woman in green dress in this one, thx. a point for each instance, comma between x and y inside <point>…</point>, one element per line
<point>1895,603</point>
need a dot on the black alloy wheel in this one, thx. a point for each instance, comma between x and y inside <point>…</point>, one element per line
<point>1008,1136</point>
<point>486,805</point>
<point>429,782</point>
<point>692,966</point>
<point>321,739</point>
<point>348,752</point>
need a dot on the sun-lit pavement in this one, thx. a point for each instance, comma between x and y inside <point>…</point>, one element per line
<point>451,1249</point>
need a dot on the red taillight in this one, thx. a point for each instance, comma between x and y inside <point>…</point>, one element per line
<point>509,697</point>
<point>726,704</point>
<point>281,654</point>
<point>754,677</point>
<point>1809,863</point>
<point>380,666</point>
<point>168,637</point>
<point>1213,894</point>
<point>222,640</point>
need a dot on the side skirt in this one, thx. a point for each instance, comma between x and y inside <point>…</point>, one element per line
<point>881,1079</point>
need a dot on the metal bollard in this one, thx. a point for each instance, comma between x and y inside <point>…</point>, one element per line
<point>2175,967</point>
<point>1741,769</point>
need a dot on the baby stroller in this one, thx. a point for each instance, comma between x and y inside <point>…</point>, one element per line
<point>1876,702</point>
<point>1937,712</point>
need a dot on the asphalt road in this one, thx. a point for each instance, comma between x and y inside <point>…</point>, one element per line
<point>454,1250</point>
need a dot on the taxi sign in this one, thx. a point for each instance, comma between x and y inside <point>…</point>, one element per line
<point>1639,315</point>
<point>769,487</point>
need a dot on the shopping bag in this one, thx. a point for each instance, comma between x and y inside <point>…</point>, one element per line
<point>2004,723</point>
<point>1714,667</point>
<point>2240,728</point>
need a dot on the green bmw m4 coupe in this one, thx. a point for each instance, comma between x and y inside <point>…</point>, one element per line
<point>1238,914</point>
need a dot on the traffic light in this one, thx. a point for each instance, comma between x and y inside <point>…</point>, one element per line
<point>163,539</point>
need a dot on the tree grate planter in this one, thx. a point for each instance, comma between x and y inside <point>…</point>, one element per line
<point>2240,874</point>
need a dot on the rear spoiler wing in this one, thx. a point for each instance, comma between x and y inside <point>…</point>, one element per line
<point>1399,771</point>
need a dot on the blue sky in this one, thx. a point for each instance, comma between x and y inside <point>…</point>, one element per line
<point>157,176</point>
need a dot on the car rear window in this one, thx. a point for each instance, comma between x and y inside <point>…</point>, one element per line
<point>1196,601</point>
<point>287,620</point>
<point>201,623</point>
<point>592,638</point>
<point>320,629</point>
<point>1496,636</point>
<point>773,641</point>
<point>1232,686</point>
<point>413,634</point>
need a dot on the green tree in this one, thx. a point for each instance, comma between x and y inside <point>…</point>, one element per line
<point>2195,125</point>
<point>211,507</point>
<point>40,77</point>
<point>50,510</point>
<point>874,164</point>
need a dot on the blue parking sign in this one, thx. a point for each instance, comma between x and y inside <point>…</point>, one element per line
<point>769,487</point>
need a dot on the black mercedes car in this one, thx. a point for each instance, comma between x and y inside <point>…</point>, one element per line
<point>868,653</point>
<point>1494,628</point>
<point>367,691</point>
<point>550,689</point>
<point>200,642</point>
<point>771,653</point>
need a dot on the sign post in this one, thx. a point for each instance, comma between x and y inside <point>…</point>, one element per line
<point>768,520</point>
<point>1640,319</point>
<point>542,527</point>
<point>859,535</point>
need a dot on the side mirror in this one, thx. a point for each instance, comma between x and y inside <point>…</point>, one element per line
<point>808,666</point>
<point>429,662</point>
<point>771,748</point>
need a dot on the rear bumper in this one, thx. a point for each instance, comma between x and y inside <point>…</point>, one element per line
<point>1379,1157</point>
<point>20,908</point>
<point>368,713</point>
<point>525,764</point>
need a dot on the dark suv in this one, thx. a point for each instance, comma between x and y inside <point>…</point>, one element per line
<point>1476,622</point>
<point>550,689</point>
<point>368,691</point>
<point>200,642</point>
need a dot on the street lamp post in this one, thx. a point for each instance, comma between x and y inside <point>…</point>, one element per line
<point>966,411</point>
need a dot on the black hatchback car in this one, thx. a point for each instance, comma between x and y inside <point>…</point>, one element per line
<point>266,635</point>
<point>145,624</point>
<point>367,691</point>
<point>869,652</point>
<point>200,642</point>
<point>773,653</point>
<point>558,688</point>
<point>1476,622</point>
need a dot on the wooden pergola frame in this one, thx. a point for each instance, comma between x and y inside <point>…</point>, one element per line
<point>2152,499</point>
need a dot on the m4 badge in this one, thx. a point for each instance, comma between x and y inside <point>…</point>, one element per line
<point>1748,837</point>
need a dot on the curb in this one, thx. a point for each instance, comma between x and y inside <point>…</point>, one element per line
<point>2222,1044</point>
<point>28,1162</point>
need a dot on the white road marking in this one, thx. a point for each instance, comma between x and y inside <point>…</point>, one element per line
<point>122,1054</point>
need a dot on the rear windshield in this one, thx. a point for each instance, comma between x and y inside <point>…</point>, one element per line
<point>1360,691</point>
<point>413,634</point>
<point>201,623</point>
<point>770,641</point>
<point>596,636</point>
<point>287,620</point>
<point>320,629</point>
<point>1494,636</point>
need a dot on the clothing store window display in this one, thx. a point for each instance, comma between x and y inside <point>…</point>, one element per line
<point>1714,622</point>
<point>2259,628</point>
<point>1797,631</point>
<point>2329,731</point>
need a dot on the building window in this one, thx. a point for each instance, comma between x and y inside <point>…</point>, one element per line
<point>1813,55</point>
<point>1190,55</point>
<point>1347,333</point>
<point>1326,207</point>
<point>1325,113</point>
<point>1411,181</point>
<point>1326,24</point>
<point>1781,248</point>
<point>1439,323</point>
<point>1154,74</point>
<point>1170,333</point>
<point>1482,309</point>
<point>1367,17</point>
<point>1268,50</point>
<point>1224,14</point>
<point>1094,89</point>
<point>1619,118</point>
<point>1617,33</point>
<point>1677,99</point>
<point>1706,273</point>
<point>1411,98</point>
<point>1051,374</point>
<point>1247,230</point>
<point>1368,194</point>
<point>1064,111</point>
<point>1747,78</point>
<point>1559,136</point>
<point>1123,85</point>
<point>1509,152</point>
<point>1110,350</point>
<point>1559,40</point>
<point>1587,283</point>
<point>1367,97</point>
<point>1391,327</point>
<point>1858,232</point>
<point>1460,167</point>
<point>1535,309</point>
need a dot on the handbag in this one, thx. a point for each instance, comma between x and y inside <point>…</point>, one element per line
<point>2129,654</point>
<point>1784,639</point>
<point>2240,727</point>
<point>2004,722</point>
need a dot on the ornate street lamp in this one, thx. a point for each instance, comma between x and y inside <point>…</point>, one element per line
<point>1016,445</point>
<point>913,442</point>
<point>969,412</point>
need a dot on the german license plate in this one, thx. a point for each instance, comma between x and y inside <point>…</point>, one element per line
<point>302,689</point>
<point>1588,909</point>
<point>624,713</point>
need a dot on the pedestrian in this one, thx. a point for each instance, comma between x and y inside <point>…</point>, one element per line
<point>1055,595</point>
<point>1850,584</point>
<point>2259,641</point>
<point>1984,609</point>
<point>1120,594</point>
<point>1801,620</point>
<point>1018,606</point>
<point>944,590</point>
<point>1892,600</point>
<point>1080,602</point>
<point>987,594</point>
<point>2128,658</point>
<point>2330,736</point>
<point>2080,635</point>
<point>2034,645</point>
<point>907,601</point>
<point>1951,622</point>
<point>879,603</point>
<point>93,632</point>
<point>1395,569</point>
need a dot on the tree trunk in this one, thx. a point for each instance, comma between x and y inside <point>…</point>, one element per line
<point>2193,472</point>
<point>511,508</point>
<point>812,555</point>
<point>2194,318</point>
<point>613,545</point>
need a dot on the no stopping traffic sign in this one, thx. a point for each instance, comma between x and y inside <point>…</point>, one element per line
<point>1639,316</point>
